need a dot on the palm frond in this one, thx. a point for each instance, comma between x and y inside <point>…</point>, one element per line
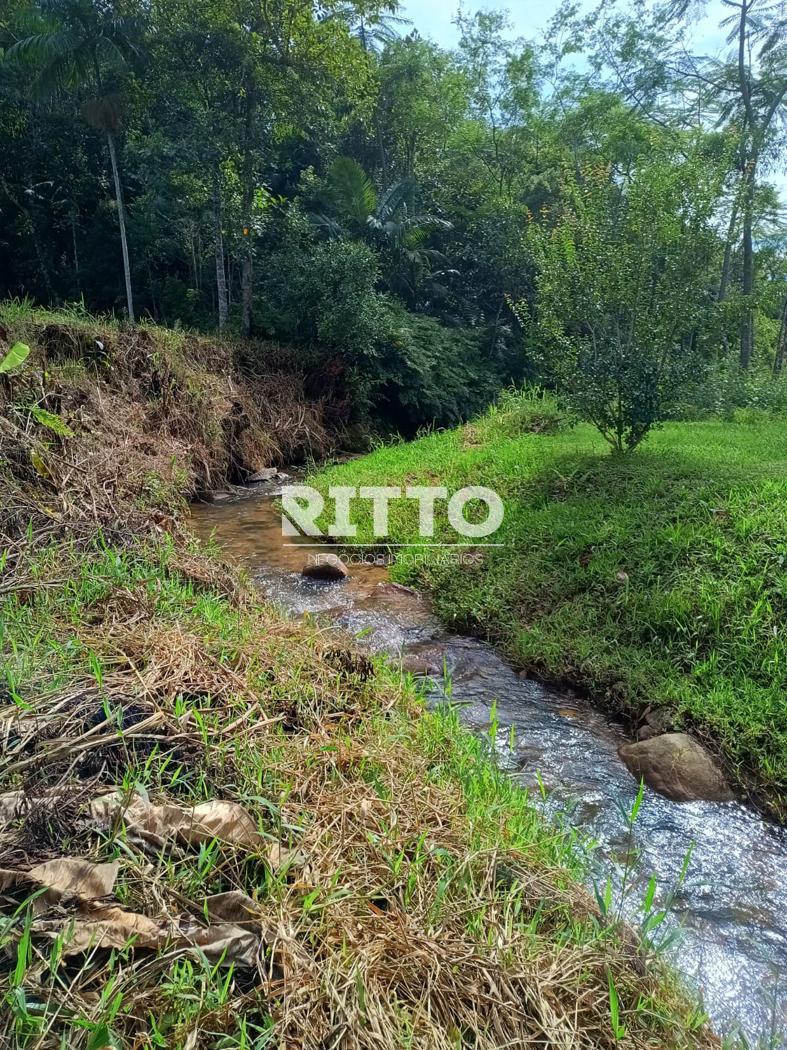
<point>327,224</point>
<point>401,193</point>
<point>351,190</point>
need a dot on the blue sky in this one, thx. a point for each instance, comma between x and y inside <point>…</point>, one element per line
<point>434,18</point>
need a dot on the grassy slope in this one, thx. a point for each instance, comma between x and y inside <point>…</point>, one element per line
<point>657,578</point>
<point>404,893</point>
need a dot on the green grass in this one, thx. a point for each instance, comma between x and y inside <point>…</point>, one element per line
<point>657,578</point>
<point>401,886</point>
<point>420,875</point>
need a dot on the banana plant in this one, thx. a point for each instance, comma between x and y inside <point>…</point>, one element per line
<point>15,358</point>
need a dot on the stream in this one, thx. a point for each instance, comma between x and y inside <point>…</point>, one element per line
<point>730,910</point>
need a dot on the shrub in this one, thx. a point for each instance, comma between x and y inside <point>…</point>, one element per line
<point>622,291</point>
<point>432,374</point>
<point>724,390</point>
<point>321,292</point>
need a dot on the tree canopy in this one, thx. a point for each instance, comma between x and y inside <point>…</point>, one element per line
<point>212,164</point>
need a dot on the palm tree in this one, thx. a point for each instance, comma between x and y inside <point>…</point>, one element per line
<point>374,31</point>
<point>81,44</point>
<point>351,205</point>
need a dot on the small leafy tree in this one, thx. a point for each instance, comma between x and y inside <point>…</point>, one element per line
<point>623,290</point>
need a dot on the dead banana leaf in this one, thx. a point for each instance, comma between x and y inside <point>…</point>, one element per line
<point>279,857</point>
<point>72,875</point>
<point>9,806</point>
<point>233,906</point>
<point>226,821</point>
<point>234,943</point>
<point>107,926</point>
<point>66,876</point>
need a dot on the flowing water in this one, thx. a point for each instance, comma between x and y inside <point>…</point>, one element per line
<point>731,908</point>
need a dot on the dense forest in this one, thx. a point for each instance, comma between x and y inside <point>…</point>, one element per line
<point>596,209</point>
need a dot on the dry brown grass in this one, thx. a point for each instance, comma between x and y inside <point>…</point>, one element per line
<point>153,417</point>
<point>389,909</point>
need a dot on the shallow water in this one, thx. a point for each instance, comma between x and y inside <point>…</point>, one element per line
<point>731,909</point>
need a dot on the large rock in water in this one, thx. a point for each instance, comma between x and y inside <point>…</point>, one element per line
<point>420,666</point>
<point>675,765</point>
<point>325,567</point>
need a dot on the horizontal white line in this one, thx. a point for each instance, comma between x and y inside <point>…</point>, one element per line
<point>387,546</point>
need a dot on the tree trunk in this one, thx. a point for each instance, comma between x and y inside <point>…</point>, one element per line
<point>748,168</point>
<point>247,205</point>
<point>724,280</point>
<point>726,266</point>
<point>74,247</point>
<point>193,253</point>
<point>32,230</point>
<point>218,246</point>
<point>152,287</point>
<point>247,283</point>
<point>122,224</point>
<point>781,345</point>
<point>382,155</point>
<point>747,285</point>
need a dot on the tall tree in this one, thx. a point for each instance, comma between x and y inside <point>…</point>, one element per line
<point>86,45</point>
<point>295,55</point>
<point>759,34</point>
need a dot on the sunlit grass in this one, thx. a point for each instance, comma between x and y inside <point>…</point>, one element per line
<point>657,578</point>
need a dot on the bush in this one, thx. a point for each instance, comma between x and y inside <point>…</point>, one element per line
<point>321,292</point>
<point>724,391</point>
<point>433,374</point>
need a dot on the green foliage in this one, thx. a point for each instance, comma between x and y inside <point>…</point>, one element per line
<point>724,391</point>
<point>402,368</point>
<point>51,422</point>
<point>15,358</point>
<point>622,300</point>
<point>350,193</point>
<point>322,292</point>
<point>425,164</point>
<point>655,579</point>
<point>429,373</point>
<point>528,410</point>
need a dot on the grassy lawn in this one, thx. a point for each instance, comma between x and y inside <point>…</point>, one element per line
<point>657,578</point>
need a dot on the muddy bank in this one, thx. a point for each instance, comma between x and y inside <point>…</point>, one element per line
<point>103,421</point>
